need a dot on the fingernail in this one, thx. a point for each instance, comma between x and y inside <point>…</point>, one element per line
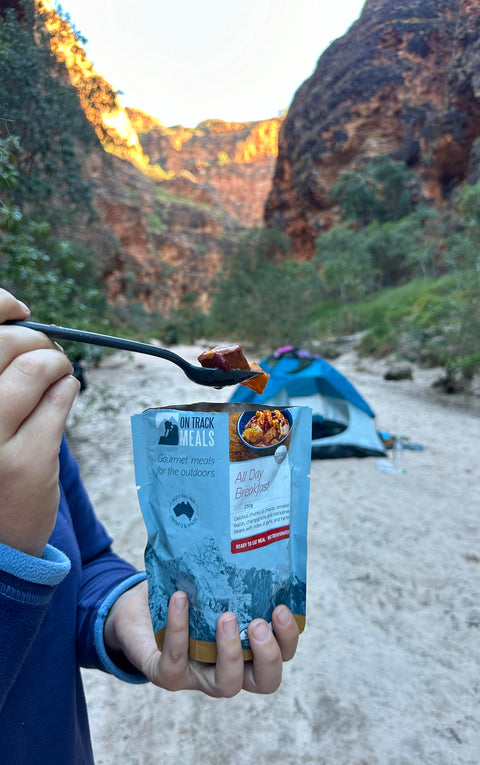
<point>283,615</point>
<point>180,601</point>
<point>25,307</point>
<point>261,632</point>
<point>229,626</point>
<point>58,346</point>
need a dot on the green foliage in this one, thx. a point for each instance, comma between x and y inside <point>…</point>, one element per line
<point>344,264</point>
<point>44,199</point>
<point>187,322</point>
<point>436,322</point>
<point>389,317</point>
<point>459,318</point>
<point>448,329</point>
<point>55,277</point>
<point>463,250</point>
<point>403,249</point>
<point>40,107</point>
<point>156,221</point>
<point>381,190</point>
<point>355,263</point>
<point>392,306</point>
<point>8,169</point>
<point>270,244</point>
<point>263,297</point>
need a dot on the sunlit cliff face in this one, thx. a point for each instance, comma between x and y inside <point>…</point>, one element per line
<point>97,97</point>
<point>262,142</point>
<point>118,129</point>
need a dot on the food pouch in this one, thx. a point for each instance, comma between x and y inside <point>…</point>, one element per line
<point>226,518</point>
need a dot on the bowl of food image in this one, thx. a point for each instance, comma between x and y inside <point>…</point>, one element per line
<point>262,429</point>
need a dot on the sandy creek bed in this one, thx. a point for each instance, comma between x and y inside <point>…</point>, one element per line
<point>387,670</point>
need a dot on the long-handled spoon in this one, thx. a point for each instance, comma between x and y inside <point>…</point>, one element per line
<point>216,378</point>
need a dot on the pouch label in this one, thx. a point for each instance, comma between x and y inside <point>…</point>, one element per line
<point>259,503</point>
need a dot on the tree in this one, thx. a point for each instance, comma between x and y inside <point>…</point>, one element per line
<point>44,199</point>
<point>463,259</point>
<point>381,190</point>
<point>464,238</point>
<point>400,249</point>
<point>50,280</point>
<point>39,105</point>
<point>262,296</point>
<point>344,264</point>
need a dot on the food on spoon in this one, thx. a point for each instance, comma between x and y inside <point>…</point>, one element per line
<point>224,357</point>
<point>266,428</point>
<point>232,357</point>
<point>257,383</point>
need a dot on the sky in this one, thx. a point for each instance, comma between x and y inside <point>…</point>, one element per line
<point>191,60</point>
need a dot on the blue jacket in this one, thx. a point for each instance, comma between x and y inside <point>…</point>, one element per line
<point>52,612</point>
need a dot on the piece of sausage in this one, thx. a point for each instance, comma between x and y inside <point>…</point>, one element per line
<point>232,357</point>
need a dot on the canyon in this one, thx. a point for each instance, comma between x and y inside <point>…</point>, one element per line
<point>403,81</point>
<point>172,201</point>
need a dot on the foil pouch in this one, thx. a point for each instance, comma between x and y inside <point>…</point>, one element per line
<point>226,521</point>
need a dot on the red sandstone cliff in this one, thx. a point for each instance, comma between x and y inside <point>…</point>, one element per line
<point>153,246</point>
<point>403,81</point>
<point>171,201</point>
<point>231,162</point>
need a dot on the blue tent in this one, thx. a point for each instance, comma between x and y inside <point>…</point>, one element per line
<point>342,421</point>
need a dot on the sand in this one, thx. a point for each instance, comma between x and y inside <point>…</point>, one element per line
<point>387,670</point>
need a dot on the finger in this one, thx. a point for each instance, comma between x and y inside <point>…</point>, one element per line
<point>48,420</point>
<point>264,673</point>
<point>230,664</point>
<point>24,383</point>
<point>174,663</point>
<point>11,308</point>
<point>286,631</point>
<point>17,340</point>
<point>36,444</point>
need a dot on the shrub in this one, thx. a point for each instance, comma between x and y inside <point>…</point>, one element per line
<point>382,190</point>
<point>263,297</point>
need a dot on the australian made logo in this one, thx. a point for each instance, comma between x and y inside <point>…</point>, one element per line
<point>183,510</point>
<point>178,429</point>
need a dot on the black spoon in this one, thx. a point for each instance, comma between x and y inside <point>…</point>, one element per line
<point>216,378</point>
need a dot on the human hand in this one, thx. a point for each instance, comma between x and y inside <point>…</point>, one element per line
<point>128,631</point>
<point>37,390</point>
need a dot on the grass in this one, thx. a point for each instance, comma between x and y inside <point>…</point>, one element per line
<point>388,308</point>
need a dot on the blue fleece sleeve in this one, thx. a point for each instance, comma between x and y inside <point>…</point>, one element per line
<point>51,568</point>
<point>102,614</point>
<point>103,572</point>
<point>26,588</point>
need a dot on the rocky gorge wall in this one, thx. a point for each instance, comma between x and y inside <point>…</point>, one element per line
<point>157,246</point>
<point>171,201</point>
<point>403,81</point>
<point>233,161</point>
<point>173,235</point>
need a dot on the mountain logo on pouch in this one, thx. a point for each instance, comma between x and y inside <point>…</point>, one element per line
<point>168,427</point>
